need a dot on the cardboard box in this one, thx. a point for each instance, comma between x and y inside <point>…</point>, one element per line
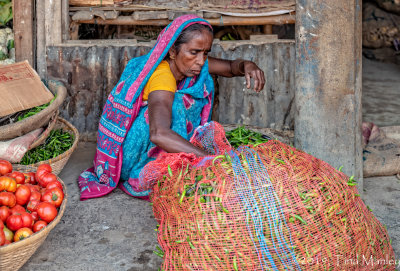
<point>21,88</point>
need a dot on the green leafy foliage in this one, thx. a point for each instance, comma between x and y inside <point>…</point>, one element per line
<point>6,13</point>
<point>3,55</point>
<point>10,45</point>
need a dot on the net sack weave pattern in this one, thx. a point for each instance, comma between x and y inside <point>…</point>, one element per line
<point>269,207</point>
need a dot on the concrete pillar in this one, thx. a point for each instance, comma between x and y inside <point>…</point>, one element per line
<point>328,118</point>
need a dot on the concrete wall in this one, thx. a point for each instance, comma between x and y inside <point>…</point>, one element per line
<point>90,71</point>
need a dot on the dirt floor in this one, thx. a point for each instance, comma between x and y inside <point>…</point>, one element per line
<point>116,232</point>
<point>381,93</point>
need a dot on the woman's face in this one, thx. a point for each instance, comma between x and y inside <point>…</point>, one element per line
<point>191,56</point>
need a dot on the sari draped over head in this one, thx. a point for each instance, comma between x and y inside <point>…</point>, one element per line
<point>123,142</point>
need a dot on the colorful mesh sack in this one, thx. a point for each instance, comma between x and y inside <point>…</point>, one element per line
<point>269,207</point>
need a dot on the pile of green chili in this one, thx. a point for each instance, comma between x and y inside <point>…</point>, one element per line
<point>242,136</point>
<point>56,143</point>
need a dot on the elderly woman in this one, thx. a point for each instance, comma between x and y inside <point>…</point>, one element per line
<point>158,102</point>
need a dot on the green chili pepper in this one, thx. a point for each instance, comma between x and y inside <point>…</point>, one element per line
<point>300,219</point>
<point>170,171</point>
<point>235,264</point>
<point>224,209</point>
<point>190,243</point>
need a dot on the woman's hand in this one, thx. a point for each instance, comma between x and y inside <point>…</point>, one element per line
<point>238,67</point>
<point>251,70</point>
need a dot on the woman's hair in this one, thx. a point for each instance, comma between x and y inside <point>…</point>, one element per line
<point>188,34</point>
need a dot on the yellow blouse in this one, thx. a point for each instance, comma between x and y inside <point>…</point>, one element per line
<point>161,79</point>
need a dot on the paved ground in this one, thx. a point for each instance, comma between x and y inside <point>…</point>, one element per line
<point>115,232</point>
<point>381,93</point>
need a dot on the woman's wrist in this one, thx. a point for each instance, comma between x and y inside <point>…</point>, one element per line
<point>237,67</point>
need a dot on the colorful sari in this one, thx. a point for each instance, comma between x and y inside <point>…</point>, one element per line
<point>123,143</point>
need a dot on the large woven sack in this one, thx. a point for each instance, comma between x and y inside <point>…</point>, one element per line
<point>38,120</point>
<point>14,149</point>
<point>382,155</point>
<point>269,207</point>
<point>392,6</point>
<point>379,28</point>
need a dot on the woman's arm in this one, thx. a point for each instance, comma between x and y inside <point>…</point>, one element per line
<point>160,112</point>
<point>238,67</point>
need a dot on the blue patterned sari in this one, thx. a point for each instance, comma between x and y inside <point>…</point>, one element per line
<point>123,144</point>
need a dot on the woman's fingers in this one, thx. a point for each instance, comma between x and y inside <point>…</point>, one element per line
<point>248,80</point>
<point>259,80</point>
<point>255,73</point>
<point>256,82</point>
<point>262,80</point>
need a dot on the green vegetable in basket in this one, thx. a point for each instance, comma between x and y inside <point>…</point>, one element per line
<point>56,143</point>
<point>35,110</point>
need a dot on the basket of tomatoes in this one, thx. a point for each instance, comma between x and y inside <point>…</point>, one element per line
<point>31,205</point>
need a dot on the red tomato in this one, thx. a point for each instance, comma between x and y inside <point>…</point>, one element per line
<point>35,216</point>
<point>54,196</point>
<point>8,184</point>
<point>35,195</point>
<point>46,178</point>
<point>7,199</point>
<point>2,237</point>
<point>8,233</point>
<point>22,234</point>
<point>46,211</point>
<point>2,234</point>
<point>33,179</point>
<point>33,187</point>
<point>4,213</point>
<point>30,178</point>
<point>17,209</point>
<point>14,222</point>
<point>27,221</point>
<point>5,167</point>
<point>23,194</point>
<point>32,204</point>
<point>39,225</point>
<point>42,169</point>
<point>53,184</point>
<point>19,177</point>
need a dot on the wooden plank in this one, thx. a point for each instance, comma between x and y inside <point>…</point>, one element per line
<point>48,30</point>
<point>263,37</point>
<point>124,8</point>
<point>23,30</point>
<point>223,21</point>
<point>53,24</point>
<point>65,20</point>
<point>40,39</point>
<point>150,15</point>
<point>88,3</point>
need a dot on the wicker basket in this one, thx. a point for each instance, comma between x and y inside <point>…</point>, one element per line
<point>14,255</point>
<point>38,120</point>
<point>42,137</point>
<point>58,163</point>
